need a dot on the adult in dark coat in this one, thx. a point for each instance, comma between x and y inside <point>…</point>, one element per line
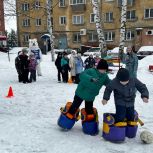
<point>24,65</point>
<point>58,66</point>
<point>18,67</point>
<point>124,94</point>
<point>89,62</point>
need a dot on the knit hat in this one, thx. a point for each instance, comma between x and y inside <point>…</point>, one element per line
<point>123,74</point>
<point>24,50</point>
<point>102,64</point>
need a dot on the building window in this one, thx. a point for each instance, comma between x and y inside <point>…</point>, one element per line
<point>149,13</point>
<point>38,22</point>
<point>92,18</point>
<point>62,3</point>
<point>62,20</point>
<point>109,36</point>
<point>129,2</point>
<point>131,15</point>
<point>78,19</point>
<point>109,17</point>
<point>25,7</point>
<point>92,37</point>
<point>129,35</point>
<point>26,37</point>
<point>75,2</point>
<point>26,22</point>
<point>76,37</point>
<point>37,5</point>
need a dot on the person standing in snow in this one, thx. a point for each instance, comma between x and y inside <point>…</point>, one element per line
<point>131,62</point>
<point>72,65</point>
<point>65,67</point>
<point>91,81</point>
<point>124,94</point>
<point>34,48</point>
<point>58,66</point>
<point>32,67</point>
<point>89,62</point>
<point>18,67</point>
<point>24,65</point>
<point>78,67</point>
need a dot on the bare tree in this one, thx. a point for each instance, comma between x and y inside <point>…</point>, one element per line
<point>122,28</point>
<point>100,32</point>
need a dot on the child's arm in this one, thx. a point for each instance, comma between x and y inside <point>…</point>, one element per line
<point>107,93</point>
<point>142,89</point>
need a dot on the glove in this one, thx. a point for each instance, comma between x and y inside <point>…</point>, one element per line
<point>104,102</point>
<point>63,71</point>
<point>94,80</point>
<point>145,100</point>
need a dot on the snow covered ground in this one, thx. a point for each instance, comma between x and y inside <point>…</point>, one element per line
<point>28,121</point>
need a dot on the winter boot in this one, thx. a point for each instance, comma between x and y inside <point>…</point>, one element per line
<point>132,126</point>
<point>90,122</point>
<point>112,131</point>
<point>67,120</point>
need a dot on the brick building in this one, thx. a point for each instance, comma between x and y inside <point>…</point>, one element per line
<point>74,22</point>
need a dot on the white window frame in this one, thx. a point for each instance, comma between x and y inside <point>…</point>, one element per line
<point>62,20</point>
<point>92,17</point>
<point>93,35</point>
<point>25,7</point>
<point>38,22</point>
<point>109,17</point>
<point>131,15</point>
<point>37,5</point>
<point>26,37</point>
<point>78,19</point>
<point>126,35</point>
<point>76,2</point>
<point>149,13</point>
<point>109,36</point>
<point>78,36</point>
<point>62,3</point>
<point>26,22</point>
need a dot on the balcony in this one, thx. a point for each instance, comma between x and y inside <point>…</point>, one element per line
<point>78,7</point>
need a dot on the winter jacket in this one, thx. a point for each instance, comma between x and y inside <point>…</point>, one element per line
<point>58,62</point>
<point>65,64</point>
<point>18,64</point>
<point>88,90</point>
<point>89,63</point>
<point>32,64</point>
<point>131,62</point>
<point>78,65</point>
<point>72,65</point>
<point>124,95</point>
<point>24,62</point>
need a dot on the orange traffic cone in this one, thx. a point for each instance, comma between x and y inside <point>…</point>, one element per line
<point>70,79</point>
<point>10,93</point>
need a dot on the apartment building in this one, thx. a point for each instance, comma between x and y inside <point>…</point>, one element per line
<point>2,23</point>
<point>74,22</point>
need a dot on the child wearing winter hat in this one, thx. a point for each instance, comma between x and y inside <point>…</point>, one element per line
<point>32,67</point>
<point>91,81</point>
<point>124,94</point>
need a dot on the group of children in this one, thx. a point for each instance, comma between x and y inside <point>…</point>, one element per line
<point>91,80</point>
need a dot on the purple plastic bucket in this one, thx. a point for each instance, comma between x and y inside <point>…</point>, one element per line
<point>116,134</point>
<point>131,131</point>
<point>90,128</point>
<point>65,123</point>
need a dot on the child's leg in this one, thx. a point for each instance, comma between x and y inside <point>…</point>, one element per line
<point>59,76</point>
<point>130,113</point>
<point>34,75</point>
<point>75,105</point>
<point>120,113</point>
<point>89,107</point>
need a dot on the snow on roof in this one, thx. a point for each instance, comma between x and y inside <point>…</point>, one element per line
<point>116,50</point>
<point>145,48</point>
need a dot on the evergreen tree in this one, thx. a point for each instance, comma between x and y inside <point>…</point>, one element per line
<point>12,39</point>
